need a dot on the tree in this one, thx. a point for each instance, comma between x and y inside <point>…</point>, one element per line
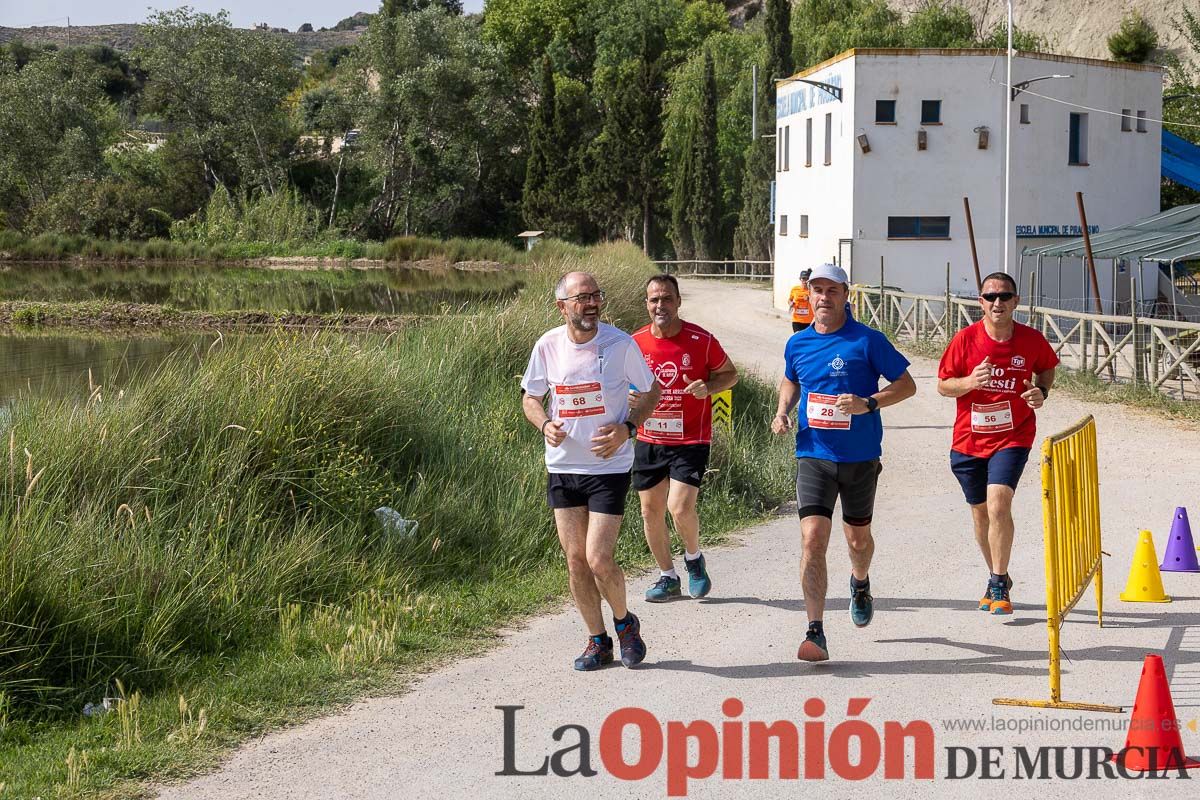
<point>626,164</point>
<point>1134,40</point>
<point>778,28</point>
<point>392,8</point>
<point>537,200</point>
<point>704,214</point>
<point>938,23</point>
<point>439,128</point>
<point>327,111</point>
<point>823,28</point>
<point>56,124</point>
<point>222,89</point>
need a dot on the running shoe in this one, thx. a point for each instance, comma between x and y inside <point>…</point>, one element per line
<point>813,648</point>
<point>664,589</point>
<point>596,655</point>
<point>633,649</point>
<point>862,605</point>
<point>1001,604</point>
<point>985,602</point>
<point>699,583</point>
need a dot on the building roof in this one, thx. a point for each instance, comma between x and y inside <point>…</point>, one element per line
<point>527,234</point>
<point>1171,235</point>
<point>936,51</point>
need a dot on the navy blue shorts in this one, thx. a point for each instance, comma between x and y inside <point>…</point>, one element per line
<point>974,473</point>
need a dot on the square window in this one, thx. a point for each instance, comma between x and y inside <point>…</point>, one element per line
<point>1024,113</point>
<point>783,224</point>
<point>804,225</point>
<point>1126,119</point>
<point>1141,122</point>
<point>931,112</point>
<point>885,112</point>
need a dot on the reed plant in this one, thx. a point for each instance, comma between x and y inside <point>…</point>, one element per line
<point>209,533</point>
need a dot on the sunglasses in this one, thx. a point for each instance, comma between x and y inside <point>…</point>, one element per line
<point>1003,297</point>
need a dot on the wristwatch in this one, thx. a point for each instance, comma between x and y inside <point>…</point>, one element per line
<point>1045,391</point>
<point>872,404</point>
<point>632,430</point>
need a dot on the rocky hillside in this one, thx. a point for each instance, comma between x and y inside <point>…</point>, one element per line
<point>124,37</point>
<point>1073,27</point>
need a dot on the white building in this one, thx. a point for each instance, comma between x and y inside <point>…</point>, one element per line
<point>882,170</point>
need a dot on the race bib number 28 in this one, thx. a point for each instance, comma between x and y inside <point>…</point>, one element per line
<point>822,413</point>
<point>579,400</point>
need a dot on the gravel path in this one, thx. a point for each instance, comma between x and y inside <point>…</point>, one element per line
<point>929,655</point>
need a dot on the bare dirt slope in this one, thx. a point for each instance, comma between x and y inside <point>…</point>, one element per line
<point>929,655</point>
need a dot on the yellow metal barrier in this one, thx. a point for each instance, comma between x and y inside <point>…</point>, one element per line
<point>722,410</point>
<point>1071,527</point>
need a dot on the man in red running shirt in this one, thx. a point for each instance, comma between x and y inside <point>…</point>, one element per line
<point>673,443</point>
<point>1000,371</point>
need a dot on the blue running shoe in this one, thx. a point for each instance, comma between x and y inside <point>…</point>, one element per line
<point>813,648</point>
<point>862,605</point>
<point>597,654</point>
<point>633,649</point>
<point>664,589</point>
<point>699,583</point>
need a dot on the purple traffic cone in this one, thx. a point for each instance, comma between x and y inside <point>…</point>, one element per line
<point>1181,550</point>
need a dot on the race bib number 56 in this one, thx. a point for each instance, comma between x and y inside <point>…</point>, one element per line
<point>579,400</point>
<point>822,413</point>
<point>991,418</point>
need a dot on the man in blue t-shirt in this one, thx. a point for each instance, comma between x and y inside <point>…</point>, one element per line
<point>832,369</point>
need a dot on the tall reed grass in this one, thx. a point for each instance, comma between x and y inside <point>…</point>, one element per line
<point>224,507</point>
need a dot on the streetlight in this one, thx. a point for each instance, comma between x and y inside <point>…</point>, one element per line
<point>1014,90</point>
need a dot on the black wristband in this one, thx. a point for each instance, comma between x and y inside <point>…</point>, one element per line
<point>543,428</point>
<point>632,430</point>
<point>872,404</point>
<point>1045,391</point>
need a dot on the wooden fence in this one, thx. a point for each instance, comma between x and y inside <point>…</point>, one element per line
<point>745,270</point>
<point>1162,354</point>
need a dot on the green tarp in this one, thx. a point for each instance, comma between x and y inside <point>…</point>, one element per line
<point>1172,235</point>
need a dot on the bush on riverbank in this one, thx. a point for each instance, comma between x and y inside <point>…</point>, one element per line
<point>209,533</point>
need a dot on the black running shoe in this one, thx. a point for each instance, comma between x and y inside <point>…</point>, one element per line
<point>596,655</point>
<point>633,649</point>
<point>862,605</point>
<point>813,648</point>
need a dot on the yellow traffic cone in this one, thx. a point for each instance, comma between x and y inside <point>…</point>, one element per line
<point>1145,581</point>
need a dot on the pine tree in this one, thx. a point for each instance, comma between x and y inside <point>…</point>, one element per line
<point>704,213</point>
<point>754,234</point>
<point>537,198</point>
<point>682,188</point>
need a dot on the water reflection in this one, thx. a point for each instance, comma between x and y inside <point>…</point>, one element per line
<point>59,364</point>
<point>212,288</point>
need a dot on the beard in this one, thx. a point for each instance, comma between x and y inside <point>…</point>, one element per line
<point>583,322</point>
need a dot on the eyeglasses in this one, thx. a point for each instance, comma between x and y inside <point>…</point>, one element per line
<point>596,297</point>
<point>1003,297</point>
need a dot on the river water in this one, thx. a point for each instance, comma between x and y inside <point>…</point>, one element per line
<point>59,361</point>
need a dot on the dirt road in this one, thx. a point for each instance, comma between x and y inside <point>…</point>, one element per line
<point>929,655</point>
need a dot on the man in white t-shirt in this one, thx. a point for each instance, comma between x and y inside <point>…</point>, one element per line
<point>587,367</point>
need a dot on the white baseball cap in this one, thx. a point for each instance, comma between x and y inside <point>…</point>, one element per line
<point>830,272</point>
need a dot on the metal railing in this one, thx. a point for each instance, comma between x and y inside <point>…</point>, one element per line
<point>730,268</point>
<point>1071,528</point>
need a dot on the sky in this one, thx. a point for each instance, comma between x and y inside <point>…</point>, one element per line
<point>290,14</point>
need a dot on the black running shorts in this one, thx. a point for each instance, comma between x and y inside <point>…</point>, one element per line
<point>681,462</point>
<point>819,483</point>
<point>603,494</point>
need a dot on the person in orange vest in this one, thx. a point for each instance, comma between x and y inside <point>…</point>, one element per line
<point>799,305</point>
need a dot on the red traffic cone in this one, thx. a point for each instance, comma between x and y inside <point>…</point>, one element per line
<point>1153,742</point>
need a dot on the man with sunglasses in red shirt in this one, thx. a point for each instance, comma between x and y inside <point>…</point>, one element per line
<point>1000,371</point>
